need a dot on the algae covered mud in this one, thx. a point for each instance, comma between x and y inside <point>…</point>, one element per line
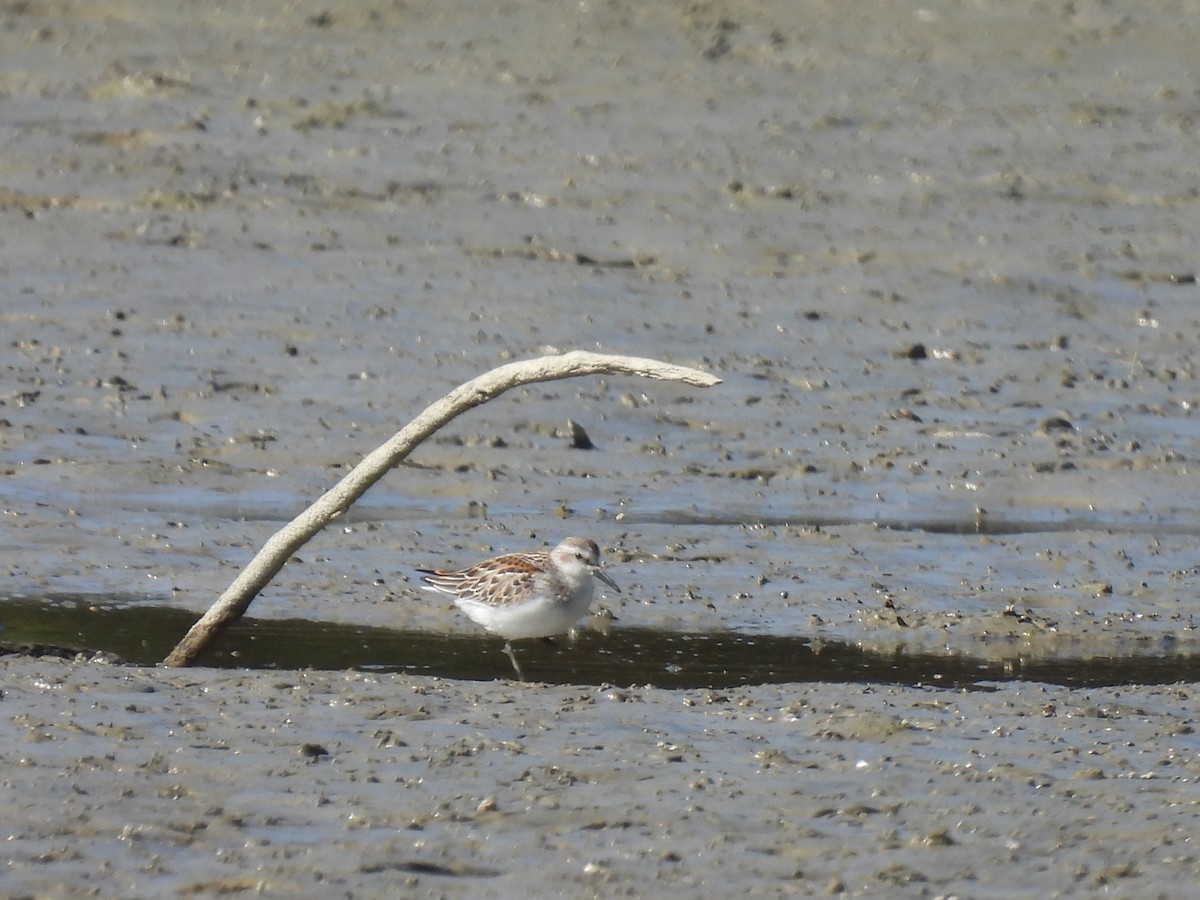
<point>941,258</point>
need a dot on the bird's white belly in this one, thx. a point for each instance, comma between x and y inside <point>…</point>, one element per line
<point>540,617</point>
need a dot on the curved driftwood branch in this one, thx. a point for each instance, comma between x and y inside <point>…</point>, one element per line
<point>270,559</point>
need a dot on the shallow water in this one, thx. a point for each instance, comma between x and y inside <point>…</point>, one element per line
<point>143,635</point>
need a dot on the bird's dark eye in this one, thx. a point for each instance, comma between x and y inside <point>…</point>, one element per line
<point>579,556</point>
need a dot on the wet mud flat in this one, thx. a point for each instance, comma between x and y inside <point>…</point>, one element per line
<point>141,782</point>
<point>943,260</point>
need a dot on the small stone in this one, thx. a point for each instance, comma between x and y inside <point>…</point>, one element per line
<point>579,437</point>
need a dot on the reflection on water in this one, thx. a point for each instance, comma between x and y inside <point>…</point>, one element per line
<point>982,523</point>
<point>143,635</point>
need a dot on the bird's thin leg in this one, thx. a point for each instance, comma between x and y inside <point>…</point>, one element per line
<point>509,650</point>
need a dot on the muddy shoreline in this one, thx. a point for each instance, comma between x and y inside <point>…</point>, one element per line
<point>943,260</point>
<point>204,782</point>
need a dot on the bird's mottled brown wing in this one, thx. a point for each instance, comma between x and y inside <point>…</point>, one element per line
<point>497,582</point>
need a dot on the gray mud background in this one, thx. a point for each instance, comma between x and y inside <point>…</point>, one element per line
<point>943,258</point>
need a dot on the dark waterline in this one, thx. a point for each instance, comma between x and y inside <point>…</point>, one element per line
<point>143,635</point>
<point>983,524</point>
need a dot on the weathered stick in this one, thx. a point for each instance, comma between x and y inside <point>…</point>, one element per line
<point>232,604</point>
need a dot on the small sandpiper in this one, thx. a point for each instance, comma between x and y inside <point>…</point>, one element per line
<point>526,595</point>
